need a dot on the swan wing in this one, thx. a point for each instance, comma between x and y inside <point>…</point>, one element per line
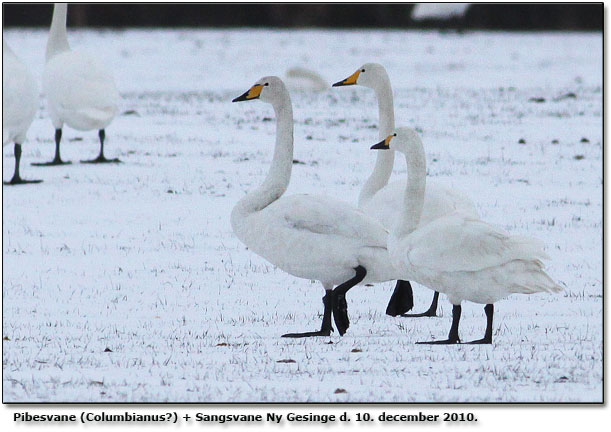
<point>462,243</point>
<point>329,217</point>
<point>439,200</point>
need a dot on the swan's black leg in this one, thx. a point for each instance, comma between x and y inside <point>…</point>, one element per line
<point>340,307</point>
<point>101,158</point>
<point>57,160</point>
<point>432,312</point>
<point>453,336</point>
<point>402,299</point>
<point>487,339</point>
<point>16,177</point>
<point>326,328</point>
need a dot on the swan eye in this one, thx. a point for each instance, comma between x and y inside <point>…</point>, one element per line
<point>394,134</point>
<point>362,70</point>
<point>266,84</point>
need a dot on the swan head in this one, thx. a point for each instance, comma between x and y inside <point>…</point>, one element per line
<point>401,140</point>
<point>368,75</point>
<point>268,89</point>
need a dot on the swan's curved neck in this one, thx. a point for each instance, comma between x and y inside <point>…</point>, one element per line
<point>385,159</point>
<point>58,38</point>
<point>413,200</point>
<point>279,174</point>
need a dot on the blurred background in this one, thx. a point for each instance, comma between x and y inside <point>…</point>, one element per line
<point>408,15</point>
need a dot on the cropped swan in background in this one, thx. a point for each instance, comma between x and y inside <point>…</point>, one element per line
<point>309,236</point>
<point>19,105</point>
<point>458,254</point>
<point>300,78</point>
<point>81,92</point>
<point>439,11</point>
<point>384,201</point>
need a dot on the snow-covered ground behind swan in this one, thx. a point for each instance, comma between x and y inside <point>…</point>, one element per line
<point>125,282</point>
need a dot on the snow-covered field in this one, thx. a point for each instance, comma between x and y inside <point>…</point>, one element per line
<point>125,283</point>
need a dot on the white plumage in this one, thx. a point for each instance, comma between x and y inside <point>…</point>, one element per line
<point>304,79</point>
<point>383,200</point>
<point>386,205</point>
<point>468,259</point>
<point>19,104</point>
<point>377,192</point>
<point>80,90</point>
<point>19,97</point>
<point>316,237</point>
<point>308,236</point>
<point>439,11</point>
<point>459,255</point>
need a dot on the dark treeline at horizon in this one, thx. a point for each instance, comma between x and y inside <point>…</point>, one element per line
<point>479,16</point>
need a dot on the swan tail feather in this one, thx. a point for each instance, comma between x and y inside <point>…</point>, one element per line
<point>533,279</point>
<point>529,248</point>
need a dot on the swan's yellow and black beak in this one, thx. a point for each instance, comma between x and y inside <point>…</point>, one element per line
<point>384,144</point>
<point>351,80</point>
<point>253,93</point>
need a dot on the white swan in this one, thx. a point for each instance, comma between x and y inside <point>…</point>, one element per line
<point>458,254</point>
<point>382,200</point>
<point>300,78</point>
<point>309,236</point>
<point>439,11</point>
<point>19,105</point>
<point>81,92</point>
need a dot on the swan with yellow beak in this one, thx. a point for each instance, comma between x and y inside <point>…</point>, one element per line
<point>458,254</point>
<point>252,93</point>
<point>383,200</point>
<point>312,237</point>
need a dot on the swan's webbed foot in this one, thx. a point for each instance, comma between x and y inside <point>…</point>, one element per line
<point>431,312</point>
<point>57,159</point>
<point>402,299</point>
<point>308,334</point>
<point>335,304</point>
<point>482,341</point>
<point>487,339</point>
<point>428,313</point>
<point>440,342</point>
<point>19,180</point>
<point>101,159</point>
<point>453,335</point>
<point>54,162</point>
<point>325,329</point>
<point>16,180</point>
